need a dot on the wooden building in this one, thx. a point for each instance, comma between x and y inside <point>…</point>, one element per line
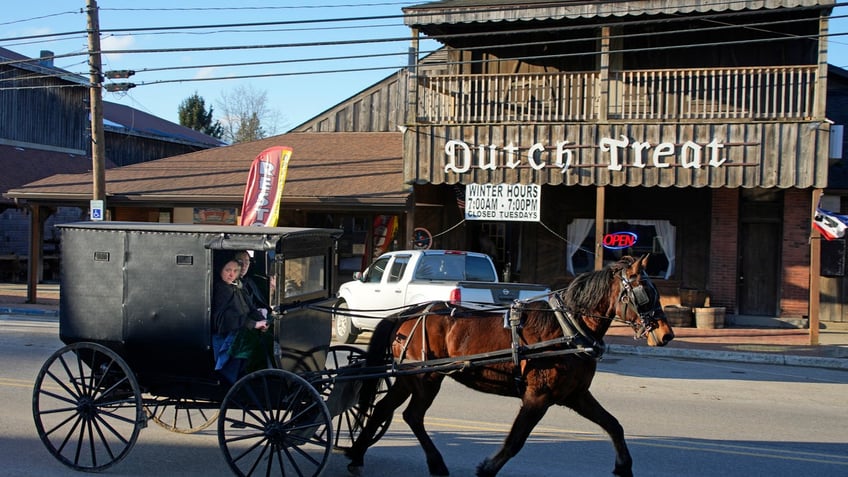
<point>700,127</point>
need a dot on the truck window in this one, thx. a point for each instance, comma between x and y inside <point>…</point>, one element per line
<point>375,273</point>
<point>398,267</point>
<point>441,267</point>
<point>478,269</point>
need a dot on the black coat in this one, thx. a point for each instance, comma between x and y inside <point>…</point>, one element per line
<point>231,309</point>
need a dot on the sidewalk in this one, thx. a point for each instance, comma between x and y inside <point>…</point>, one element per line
<point>787,346</point>
<point>13,299</point>
<point>749,345</point>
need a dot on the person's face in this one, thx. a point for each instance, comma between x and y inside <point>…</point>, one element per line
<point>244,261</point>
<point>230,272</point>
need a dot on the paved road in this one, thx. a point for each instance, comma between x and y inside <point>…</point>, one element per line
<point>693,418</point>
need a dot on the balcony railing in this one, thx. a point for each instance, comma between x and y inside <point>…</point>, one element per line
<point>759,93</point>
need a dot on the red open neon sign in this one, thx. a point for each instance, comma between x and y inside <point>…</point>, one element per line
<point>619,240</point>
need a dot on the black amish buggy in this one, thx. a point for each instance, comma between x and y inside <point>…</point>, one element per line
<point>135,315</point>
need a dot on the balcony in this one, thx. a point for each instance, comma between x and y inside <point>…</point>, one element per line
<point>701,94</point>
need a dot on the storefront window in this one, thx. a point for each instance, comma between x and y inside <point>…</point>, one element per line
<point>657,237</point>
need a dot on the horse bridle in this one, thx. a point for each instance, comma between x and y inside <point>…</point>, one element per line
<point>646,306</point>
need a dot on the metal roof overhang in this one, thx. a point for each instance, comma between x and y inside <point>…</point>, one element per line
<point>481,11</point>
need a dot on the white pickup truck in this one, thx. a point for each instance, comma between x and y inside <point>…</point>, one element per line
<point>408,277</point>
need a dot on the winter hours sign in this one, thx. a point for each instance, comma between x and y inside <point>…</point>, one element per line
<point>515,202</point>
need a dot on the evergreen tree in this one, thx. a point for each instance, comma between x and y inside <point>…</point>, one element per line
<point>193,114</point>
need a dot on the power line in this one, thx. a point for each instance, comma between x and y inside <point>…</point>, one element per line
<point>443,37</point>
<point>42,17</point>
<point>450,36</point>
<point>403,16</point>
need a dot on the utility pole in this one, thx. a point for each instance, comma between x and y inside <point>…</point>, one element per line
<point>98,143</point>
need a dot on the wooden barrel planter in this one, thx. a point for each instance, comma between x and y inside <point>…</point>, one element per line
<point>692,297</point>
<point>710,317</point>
<point>678,316</point>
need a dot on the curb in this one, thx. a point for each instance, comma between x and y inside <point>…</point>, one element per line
<point>731,356</point>
<point>4,310</point>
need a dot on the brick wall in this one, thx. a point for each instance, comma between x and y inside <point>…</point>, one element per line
<point>795,286</point>
<point>724,222</point>
<point>14,227</point>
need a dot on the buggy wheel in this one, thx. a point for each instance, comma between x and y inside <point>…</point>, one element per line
<point>87,407</point>
<point>343,329</point>
<point>342,397</point>
<point>273,422</point>
<point>183,415</point>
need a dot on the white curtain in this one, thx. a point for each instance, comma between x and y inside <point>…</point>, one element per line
<point>578,229</point>
<point>666,235</point>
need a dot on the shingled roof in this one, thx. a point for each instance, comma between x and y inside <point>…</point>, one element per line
<point>333,169</point>
<point>24,164</point>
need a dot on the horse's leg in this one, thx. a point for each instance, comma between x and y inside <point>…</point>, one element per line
<point>529,415</point>
<point>587,406</point>
<point>383,410</point>
<point>426,389</point>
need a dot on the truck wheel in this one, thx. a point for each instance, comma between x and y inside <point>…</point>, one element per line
<point>343,329</point>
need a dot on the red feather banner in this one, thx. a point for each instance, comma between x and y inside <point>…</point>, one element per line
<point>261,204</point>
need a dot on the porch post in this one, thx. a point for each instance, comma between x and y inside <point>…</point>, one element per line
<point>600,199</point>
<point>603,67</point>
<point>815,273</point>
<point>35,231</point>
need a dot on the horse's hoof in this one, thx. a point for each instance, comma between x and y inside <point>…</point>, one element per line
<point>355,470</point>
<point>439,470</point>
<point>483,469</point>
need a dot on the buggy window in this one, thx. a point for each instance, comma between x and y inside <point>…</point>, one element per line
<point>304,276</point>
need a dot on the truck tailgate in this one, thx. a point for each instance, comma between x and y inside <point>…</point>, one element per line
<point>501,293</point>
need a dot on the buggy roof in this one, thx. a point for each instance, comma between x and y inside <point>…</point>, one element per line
<point>218,237</point>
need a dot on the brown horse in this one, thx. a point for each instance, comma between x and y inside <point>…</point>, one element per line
<point>574,321</point>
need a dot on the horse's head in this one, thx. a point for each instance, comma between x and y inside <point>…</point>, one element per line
<point>639,304</point>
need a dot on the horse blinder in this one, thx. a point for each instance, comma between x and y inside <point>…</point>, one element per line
<point>644,304</point>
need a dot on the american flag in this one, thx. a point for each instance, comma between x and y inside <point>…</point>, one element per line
<point>831,226</point>
<point>459,191</point>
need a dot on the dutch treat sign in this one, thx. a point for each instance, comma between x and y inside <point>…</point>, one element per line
<point>512,202</point>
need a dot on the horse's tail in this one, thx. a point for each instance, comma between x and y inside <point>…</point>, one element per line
<point>378,353</point>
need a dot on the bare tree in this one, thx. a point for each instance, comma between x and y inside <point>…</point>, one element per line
<point>246,115</point>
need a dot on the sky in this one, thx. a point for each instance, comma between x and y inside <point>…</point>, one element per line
<point>310,58</point>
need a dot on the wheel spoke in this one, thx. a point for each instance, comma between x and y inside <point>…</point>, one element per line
<point>91,416</point>
<point>285,427</point>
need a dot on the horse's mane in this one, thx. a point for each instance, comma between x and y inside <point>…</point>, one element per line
<point>589,289</point>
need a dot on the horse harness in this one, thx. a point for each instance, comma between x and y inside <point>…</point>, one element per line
<point>646,306</point>
<point>574,331</point>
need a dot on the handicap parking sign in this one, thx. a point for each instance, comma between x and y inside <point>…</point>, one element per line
<point>96,207</point>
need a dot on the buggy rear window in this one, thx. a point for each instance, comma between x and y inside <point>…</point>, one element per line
<point>305,277</point>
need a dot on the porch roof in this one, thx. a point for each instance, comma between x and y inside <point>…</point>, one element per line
<point>480,11</point>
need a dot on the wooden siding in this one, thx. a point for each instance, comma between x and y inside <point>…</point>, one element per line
<point>381,108</point>
<point>124,149</point>
<point>758,154</point>
<point>54,115</point>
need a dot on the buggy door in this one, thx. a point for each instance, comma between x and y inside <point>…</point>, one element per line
<point>167,302</point>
